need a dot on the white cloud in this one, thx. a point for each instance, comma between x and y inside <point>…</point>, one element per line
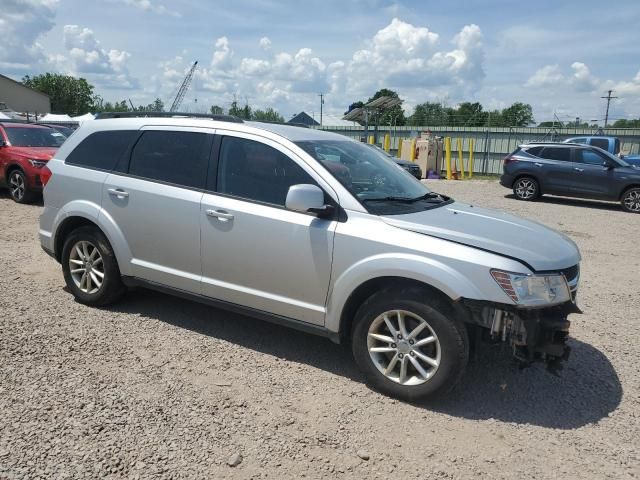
<point>222,55</point>
<point>265,43</point>
<point>547,75</point>
<point>582,79</point>
<point>85,55</point>
<point>22,23</point>
<point>149,6</point>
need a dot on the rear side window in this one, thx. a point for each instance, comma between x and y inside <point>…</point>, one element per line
<point>173,157</point>
<point>602,143</point>
<point>535,151</point>
<point>579,140</point>
<point>556,153</point>
<point>102,150</point>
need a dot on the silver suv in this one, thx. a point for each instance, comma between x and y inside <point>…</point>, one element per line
<point>308,229</point>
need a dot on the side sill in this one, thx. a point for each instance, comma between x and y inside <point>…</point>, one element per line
<point>233,307</point>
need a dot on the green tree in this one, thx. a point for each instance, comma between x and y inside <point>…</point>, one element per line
<point>216,110</point>
<point>428,113</point>
<point>267,115</point>
<point>624,123</point>
<point>240,112</point>
<point>517,115</point>
<point>70,95</point>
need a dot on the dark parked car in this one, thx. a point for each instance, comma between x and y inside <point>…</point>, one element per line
<point>572,170</point>
<point>411,167</point>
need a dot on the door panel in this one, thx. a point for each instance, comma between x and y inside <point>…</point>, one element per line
<point>556,170</point>
<point>161,225</point>
<point>591,178</point>
<point>266,257</point>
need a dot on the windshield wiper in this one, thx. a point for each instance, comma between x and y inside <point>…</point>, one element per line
<point>429,196</point>
<point>389,199</point>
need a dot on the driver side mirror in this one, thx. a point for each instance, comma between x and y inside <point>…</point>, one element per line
<point>608,165</point>
<point>3,143</point>
<point>307,198</point>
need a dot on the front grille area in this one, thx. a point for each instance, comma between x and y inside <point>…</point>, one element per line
<point>571,273</point>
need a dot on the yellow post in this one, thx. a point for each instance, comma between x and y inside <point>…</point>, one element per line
<point>471,145</point>
<point>461,158</point>
<point>371,139</point>
<point>399,154</point>
<point>447,156</point>
<point>387,142</point>
<point>412,155</point>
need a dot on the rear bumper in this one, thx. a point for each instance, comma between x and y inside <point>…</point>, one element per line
<point>506,180</point>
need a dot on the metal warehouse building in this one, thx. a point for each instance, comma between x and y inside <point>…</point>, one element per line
<point>19,98</point>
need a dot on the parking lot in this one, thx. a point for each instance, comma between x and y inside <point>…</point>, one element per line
<point>158,387</point>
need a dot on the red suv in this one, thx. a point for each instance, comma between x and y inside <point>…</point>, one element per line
<point>24,150</point>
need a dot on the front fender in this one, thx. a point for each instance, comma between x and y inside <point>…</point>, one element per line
<point>93,213</point>
<point>415,267</point>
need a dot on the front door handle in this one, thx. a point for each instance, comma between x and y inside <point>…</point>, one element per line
<point>538,164</point>
<point>579,169</point>
<point>118,192</point>
<point>220,215</point>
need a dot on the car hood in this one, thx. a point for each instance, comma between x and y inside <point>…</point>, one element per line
<point>37,153</point>
<point>530,242</point>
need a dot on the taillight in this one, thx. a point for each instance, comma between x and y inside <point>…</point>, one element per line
<point>508,160</point>
<point>45,175</point>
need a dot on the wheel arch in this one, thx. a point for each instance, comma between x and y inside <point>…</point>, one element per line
<point>392,283</point>
<point>526,174</point>
<point>626,188</point>
<point>10,168</point>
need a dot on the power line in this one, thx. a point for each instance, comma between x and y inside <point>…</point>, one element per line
<point>608,98</point>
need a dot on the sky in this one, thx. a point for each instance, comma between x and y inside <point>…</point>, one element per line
<point>559,56</point>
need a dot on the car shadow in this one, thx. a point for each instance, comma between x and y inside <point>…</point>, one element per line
<point>38,200</point>
<point>494,387</point>
<point>577,202</point>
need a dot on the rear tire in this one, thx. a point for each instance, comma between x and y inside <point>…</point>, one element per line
<point>90,268</point>
<point>18,187</point>
<point>435,357</point>
<point>526,188</point>
<point>631,200</point>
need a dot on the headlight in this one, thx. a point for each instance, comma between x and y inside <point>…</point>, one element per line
<point>533,290</point>
<point>37,163</point>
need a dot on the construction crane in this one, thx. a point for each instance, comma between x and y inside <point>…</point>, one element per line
<point>183,88</point>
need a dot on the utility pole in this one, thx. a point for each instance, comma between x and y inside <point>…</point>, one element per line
<point>608,98</point>
<point>321,95</point>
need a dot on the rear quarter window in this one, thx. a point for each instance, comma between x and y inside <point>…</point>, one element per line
<point>535,151</point>
<point>602,143</point>
<point>102,150</point>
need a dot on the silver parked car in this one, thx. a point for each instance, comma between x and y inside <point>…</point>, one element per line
<point>273,221</point>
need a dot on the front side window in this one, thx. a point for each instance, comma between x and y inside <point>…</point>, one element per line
<point>589,157</point>
<point>383,187</point>
<point>180,158</point>
<point>258,172</point>
<point>557,153</point>
<point>34,137</point>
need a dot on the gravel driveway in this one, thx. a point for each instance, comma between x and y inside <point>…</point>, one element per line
<point>158,387</point>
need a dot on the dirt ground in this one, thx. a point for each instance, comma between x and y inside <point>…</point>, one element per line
<point>158,387</point>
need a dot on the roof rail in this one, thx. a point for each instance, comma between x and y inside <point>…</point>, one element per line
<point>220,118</point>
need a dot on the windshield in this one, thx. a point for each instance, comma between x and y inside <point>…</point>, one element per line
<point>372,177</point>
<point>34,137</point>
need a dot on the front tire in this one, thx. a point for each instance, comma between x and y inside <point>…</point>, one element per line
<point>90,268</point>
<point>526,188</point>
<point>408,345</point>
<point>18,187</point>
<point>631,200</point>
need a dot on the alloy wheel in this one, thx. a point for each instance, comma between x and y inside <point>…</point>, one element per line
<point>632,201</point>
<point>17,186</point>
<point>525,189</point>
<point>86,267</point>
<point>404,347</point>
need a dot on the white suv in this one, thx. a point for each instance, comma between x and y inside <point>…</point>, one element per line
<point>309,229</point>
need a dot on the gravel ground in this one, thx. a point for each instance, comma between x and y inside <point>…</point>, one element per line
<point>158,387</point>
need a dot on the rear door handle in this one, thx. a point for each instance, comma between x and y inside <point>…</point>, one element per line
<point>118,192</point>
<point>579,169</point>
<point>220,215</point>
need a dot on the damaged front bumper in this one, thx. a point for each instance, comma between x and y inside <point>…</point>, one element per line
<point>534,334</point>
